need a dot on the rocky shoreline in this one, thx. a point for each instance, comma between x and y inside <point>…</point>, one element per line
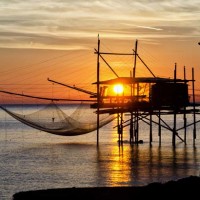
<point>188,187</point>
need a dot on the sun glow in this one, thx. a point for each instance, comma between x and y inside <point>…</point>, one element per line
<point>118,89</point>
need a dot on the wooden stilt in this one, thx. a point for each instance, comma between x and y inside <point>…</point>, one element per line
<point>98,90</point>
<point>159,127</point>
<point>135,128</point>
<point>121,125</point>
<point>135,99</point>
<point>174,131</point>
<point>194,107</point>
<point>131,119</point>
<point>131,128</point>
<point>174,110</point>
<point>184,114</point>
<point>150,124</point>
<point>118,128</point>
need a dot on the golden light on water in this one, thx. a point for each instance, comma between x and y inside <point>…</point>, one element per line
<point>118,89</point>
<point>120,166</point>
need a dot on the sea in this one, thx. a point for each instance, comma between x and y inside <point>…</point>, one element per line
<point>33,160</point>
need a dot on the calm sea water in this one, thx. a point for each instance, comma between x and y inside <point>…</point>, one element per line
<point>32,159</point>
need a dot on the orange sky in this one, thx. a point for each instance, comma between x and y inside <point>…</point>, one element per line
<point>56,39</point>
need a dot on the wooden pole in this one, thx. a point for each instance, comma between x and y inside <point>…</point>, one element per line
<point>174,108</point>
<point>98,89</point>
<point>150,132</point>
<point>137,127</point>
<point>134,128</point>
<point>118,128</point>
<point>131,119</point>
<point>119,121</point>
<point>121,126</point>
<point>159,127</point>
<point>131,128</point>
<point>194,112</point>
<point>137,116</point>
<point>184,114</point>
<point>135,61</point>
<point>133,93</point>
<point>150,116</point>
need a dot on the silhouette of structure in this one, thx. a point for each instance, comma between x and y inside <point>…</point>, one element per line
<point>143,98</point>
<point>140,98</point>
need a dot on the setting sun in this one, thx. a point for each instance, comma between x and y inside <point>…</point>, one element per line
<point>118,89</point>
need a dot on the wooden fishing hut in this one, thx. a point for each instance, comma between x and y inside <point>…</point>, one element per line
<point>143,97</point>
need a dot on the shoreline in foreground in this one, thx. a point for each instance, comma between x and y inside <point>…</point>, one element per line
<point>182,188</point>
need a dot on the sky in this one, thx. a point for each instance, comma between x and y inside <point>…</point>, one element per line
<point>56,38</point>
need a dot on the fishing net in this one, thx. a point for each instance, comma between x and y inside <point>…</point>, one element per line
<point>52,119</point>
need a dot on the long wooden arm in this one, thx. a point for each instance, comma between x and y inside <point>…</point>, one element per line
<point>73,87</point>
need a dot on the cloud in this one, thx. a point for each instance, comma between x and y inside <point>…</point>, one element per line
<point>52,24</point>
<point>145,27</point>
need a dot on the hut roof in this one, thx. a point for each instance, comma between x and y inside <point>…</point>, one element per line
<point>130,80</point>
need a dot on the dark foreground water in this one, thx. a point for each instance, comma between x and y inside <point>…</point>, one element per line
<point>32,159</point>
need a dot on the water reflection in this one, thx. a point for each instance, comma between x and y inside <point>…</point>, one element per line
<point>142,164</point>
